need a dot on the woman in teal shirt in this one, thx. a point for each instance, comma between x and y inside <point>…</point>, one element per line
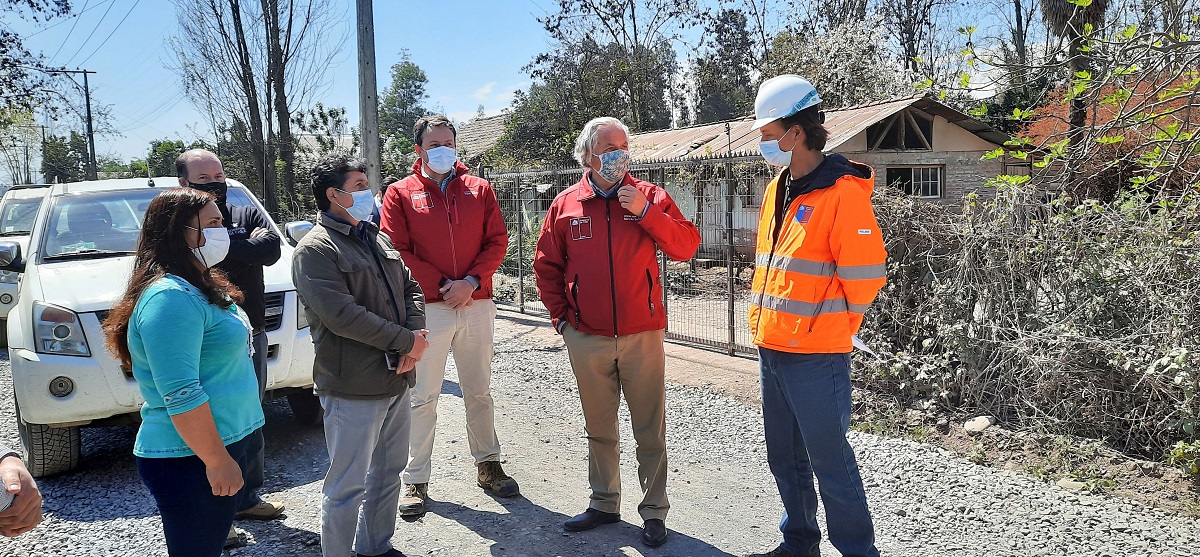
<point>188,344</point>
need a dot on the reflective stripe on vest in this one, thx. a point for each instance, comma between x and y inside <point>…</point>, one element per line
<point>805,309</point>
<point>820,268</point>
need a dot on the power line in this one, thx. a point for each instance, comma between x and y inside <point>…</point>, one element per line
<point>89,37</point>
<point>68,37</point>
<point>66,19</point>
<point>111,33</point>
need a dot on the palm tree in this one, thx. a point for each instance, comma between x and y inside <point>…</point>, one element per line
<point>1068,20</point>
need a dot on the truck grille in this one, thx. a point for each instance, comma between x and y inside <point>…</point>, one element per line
<point>274,310</point>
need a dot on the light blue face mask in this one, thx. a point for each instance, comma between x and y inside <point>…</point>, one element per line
<point>442,159</point>
<point>363,206</point>
<point>614,165</point>
<point>773,154</point>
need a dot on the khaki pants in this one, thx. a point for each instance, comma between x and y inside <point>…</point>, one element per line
<point>468,332</point>
<point>604,368</point>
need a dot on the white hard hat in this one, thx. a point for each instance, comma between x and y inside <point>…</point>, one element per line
<point>782,96</point>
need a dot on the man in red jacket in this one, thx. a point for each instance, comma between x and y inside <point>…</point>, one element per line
<point>449,231</point>
<point>597,273</point>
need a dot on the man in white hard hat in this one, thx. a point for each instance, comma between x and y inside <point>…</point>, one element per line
<point>820,262</point>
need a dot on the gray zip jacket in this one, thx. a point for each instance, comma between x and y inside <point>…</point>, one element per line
<point>340,280</point>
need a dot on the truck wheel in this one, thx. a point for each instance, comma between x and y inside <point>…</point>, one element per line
<point>306,407</point>
<point>48,450</point>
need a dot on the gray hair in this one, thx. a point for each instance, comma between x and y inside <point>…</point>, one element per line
<point>586,142</point>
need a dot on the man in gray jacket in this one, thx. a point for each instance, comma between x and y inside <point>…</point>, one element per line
<point>20,500</point>
<point>367,319</point>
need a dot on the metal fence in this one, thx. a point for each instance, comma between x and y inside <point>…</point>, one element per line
<point>707,297</point>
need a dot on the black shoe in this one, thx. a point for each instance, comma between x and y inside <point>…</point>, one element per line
<point>654,533</point>
<point>393,552</point>
<point>782,552</point>
<point>589,519</point>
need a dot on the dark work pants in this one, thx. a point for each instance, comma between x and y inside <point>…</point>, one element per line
<point>248,496</point>
<point>195,522</point>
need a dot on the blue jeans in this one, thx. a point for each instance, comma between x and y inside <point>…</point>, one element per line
<point>806,414</point>
<point>195,522</point>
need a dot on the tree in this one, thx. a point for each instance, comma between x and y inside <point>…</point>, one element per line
<point>256,61</point>
<point>722,75</point>
<point>64,159</point>
<point>25,88</point>
<point>573,84</point>
<point>848,65</point>
<point>19,141</point>
<point>1073,21</point>
<point>403,102</point>
<point>162,155</point>
<point>643,31</point>
<point>922,31</point>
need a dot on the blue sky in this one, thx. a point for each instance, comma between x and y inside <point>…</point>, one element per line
<point>472,52</point>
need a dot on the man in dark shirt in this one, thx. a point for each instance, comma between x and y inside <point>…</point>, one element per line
<point>253,245</point>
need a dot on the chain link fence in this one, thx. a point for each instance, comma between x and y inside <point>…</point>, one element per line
<point>707,297</point>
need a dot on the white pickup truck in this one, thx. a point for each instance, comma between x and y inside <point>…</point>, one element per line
<point>76,267</point>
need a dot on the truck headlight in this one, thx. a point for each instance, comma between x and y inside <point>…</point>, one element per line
<point>9,277</point>
<point>58,331</point>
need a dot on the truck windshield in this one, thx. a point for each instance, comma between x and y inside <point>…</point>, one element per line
<point>104,223</point>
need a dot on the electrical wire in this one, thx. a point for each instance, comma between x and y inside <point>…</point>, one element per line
<point>68,37</point>
<point>111,33</point>
<point>89,37</point>
<point>74,16</point>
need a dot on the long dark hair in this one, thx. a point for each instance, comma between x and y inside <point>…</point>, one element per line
<point>162,249</point>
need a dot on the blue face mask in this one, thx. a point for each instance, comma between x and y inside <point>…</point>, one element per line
<point>442,159</point>
<point>773,154</point>
<point>363,206</point>
<point>613,165</point>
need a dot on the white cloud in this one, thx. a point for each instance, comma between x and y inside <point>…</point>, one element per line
<point>505,98</point>
<point>482,93</point>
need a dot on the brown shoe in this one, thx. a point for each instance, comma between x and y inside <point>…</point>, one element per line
<point>264,510</point>
<point>412,503</point>
<point>493,478</point>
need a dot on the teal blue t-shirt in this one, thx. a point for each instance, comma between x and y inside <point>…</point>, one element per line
<point>185,352</point>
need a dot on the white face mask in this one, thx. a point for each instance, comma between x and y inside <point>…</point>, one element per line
<point>363,206</point>
<point>774,154</point>
<point>215,248</point>
<point>441,159</point>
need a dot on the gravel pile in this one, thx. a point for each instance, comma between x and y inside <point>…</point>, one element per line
<point>926,501</point>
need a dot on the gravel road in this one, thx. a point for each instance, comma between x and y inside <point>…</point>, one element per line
<point>926,502</point>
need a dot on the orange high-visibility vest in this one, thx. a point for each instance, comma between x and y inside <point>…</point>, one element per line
<point>813,284</point>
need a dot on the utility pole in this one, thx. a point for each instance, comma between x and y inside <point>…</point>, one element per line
<point>87,95</point>
<point>368,102</point>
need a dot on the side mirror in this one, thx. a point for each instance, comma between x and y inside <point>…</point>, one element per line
<point>294,231</point>
<point>10,257</point>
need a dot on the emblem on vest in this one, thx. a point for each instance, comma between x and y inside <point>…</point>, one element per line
<point>804,213</point>
<point>422,201</point>
<point>581,228</point>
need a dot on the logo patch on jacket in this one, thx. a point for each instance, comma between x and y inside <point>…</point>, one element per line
<point>804,213</point>
<point>422,201</point>
<point>581,228</point>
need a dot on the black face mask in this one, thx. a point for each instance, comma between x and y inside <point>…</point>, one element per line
<point>216,188</point>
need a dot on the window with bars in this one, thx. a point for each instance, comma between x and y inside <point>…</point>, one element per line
<point>921,181</point>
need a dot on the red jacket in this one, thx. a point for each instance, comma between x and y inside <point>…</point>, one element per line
<point>446,236</point>
<point>596,262</point>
